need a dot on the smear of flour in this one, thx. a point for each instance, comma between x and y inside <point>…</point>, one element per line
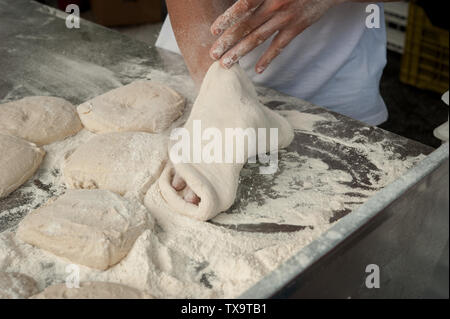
<point>77,81</point>
<point>53,11</point>
<point>306,121</point>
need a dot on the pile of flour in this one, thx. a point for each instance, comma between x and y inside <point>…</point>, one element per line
<point>184,258</point>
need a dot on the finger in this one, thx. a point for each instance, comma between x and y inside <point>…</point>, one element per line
<point>253,40</point>
<point>191,197</point>
<point>282,39</point>
<point>178,183</point>
<point>236,33</point>
<point>238,11</point>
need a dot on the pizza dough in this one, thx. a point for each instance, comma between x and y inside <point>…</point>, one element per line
<point>39,119</point>
<point>95,228</point>
<point>19,160</point>
<point>118,162</point>
<point>16,286</point>
<point>227,99</point>
<point>142,106</point>
<point>92,290</point>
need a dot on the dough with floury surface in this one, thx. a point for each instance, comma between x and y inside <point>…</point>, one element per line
<point>141,106</point>
<point>92,290</point>
<point>119,162</point>
<point>95,228</point>
<point>227,99</point>
<point>14,285</point>
<point>39,119</point>
<point>19,160</point>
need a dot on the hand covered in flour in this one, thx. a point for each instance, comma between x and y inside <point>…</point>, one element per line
<point>248,23</point>
<point>188,194</point>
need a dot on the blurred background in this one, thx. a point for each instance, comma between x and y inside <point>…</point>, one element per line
<point>414,80</point>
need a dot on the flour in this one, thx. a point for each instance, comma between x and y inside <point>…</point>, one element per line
<point>318,182</point>
<point>305,121</point>
<point>52,11</point>
<point>76,80</point>
<point>184,258</point>
<point>16,286</point>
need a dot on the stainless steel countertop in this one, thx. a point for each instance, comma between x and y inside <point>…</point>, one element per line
<point>40,56</point>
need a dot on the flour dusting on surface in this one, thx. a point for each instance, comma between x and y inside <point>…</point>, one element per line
<point>321,178</point>
<point>184,258</point>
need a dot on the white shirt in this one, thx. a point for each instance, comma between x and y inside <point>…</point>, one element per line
<point>336,63</point>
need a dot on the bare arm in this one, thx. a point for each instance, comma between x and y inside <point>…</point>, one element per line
<point>191,21</point>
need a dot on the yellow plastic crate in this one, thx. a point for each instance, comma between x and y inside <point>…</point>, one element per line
<point>426,58</point>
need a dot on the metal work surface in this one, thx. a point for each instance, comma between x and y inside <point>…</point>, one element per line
<point>40,56</point>
<point>403,230</point>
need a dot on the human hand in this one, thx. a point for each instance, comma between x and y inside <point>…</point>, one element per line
<point>248,23</point>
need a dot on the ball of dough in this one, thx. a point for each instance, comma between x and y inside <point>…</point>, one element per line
<point>95,228</point>
<point>16,286</point>
<point>140,106</point>
<point>39,119</point>
<point>119,162</point>
<point>92,290</point>
<point>19,160</point>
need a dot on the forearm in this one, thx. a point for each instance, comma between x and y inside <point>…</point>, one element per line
<point>191,21</point>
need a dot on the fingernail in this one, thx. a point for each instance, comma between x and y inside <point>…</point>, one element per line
<point>260,69</point>
<point>216,53</point>
<point>229,61</point>
<point>217,32</point>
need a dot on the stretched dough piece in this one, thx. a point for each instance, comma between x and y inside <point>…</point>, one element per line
<point>119,162</point>
<point>39,119</point>
<point>14,285</point>
<point>92,290</point>
<point>227,99</point>
<point>142,106</point>
<point>19,160</point>
<point>95,228</point>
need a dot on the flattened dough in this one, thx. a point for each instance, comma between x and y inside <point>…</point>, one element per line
<point>19,160</point>
<point>95,228</point>
<point>14,285</point>
<point>92,290</point>
<point>39,119</point>
<point>142,106</point>
<point>227,99</point>
<point>119,162</point>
